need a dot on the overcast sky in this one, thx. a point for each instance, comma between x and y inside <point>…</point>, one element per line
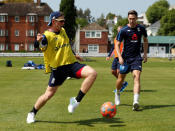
<point>118,7</point>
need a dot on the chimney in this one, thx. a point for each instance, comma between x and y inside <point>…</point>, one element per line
<point>38,2</point>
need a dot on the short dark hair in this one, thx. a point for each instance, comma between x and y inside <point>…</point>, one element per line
<point>132,12</point>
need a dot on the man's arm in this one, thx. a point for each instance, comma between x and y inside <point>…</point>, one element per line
<point>145,48</point>
<point>110,53</point>
<point>117,48</point>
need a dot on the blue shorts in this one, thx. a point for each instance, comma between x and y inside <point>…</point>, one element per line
<point>115,64</point>
<point>59,75</point>
<point>134,63</point>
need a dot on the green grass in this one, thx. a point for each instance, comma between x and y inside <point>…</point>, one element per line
<point>19,90</point>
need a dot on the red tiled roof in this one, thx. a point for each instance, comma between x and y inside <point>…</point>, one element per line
<point>22,9</point>
<point>94,26</point>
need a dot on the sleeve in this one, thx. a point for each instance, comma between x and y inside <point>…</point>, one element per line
<point>144,32</point>
<point>120,36</point>
<point>36,44</point>
<point>43,44</point>
<point>110,52</point>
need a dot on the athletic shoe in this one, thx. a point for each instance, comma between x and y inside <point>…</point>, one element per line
<point>68,78</point>
<point>30,117</point>
<point>117,98</point>
<point>135,106</point>
<point>124,85</point>
<point>73,104</point>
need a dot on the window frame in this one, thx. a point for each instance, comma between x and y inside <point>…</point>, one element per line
<point>93,48</point>
<point>2,18</point>
<point>2,46</point>
<point>16,47</point>
<point>93,34</point>
<point>17,19</point>
<point>16,32</point>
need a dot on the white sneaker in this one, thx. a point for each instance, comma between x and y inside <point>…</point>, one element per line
<point>30,118</point>
<point>117,98</point>
<point>73,104</point>
<point>135,106</point>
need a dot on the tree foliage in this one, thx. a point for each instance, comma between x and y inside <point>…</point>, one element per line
<point>84,17</point>
<point>110,16</point>
<point>121,22</point>
<point>168,24</point>
<point>101,21</point>
<point>157,10</point>
<point>82,22</point>
<point>69,10</point>
<point>9,1</point>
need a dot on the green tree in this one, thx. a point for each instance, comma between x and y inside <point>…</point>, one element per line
<point>110,16</point>
<point>82,22</point>
<point>87,14</point>
<point>157,10</point>
<point>168,24</point>
<point>83,17</point>
<point>29,1</point>
<point>80,13</point>
<point>121,22</point>
<point>69,10</point>
<point>101,21</point>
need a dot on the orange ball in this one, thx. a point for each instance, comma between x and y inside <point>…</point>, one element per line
<point>108,110</point>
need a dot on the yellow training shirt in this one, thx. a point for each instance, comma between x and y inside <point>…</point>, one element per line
<point>58,51</point>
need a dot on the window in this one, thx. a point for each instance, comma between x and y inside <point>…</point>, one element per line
<point>6,33</point>
<point>93,48</point>
<point>93,34</point>
<point>46,18</point>
<point>16,18</point>
<point>87,34</point>
<point>16,32</point>
<point>2,32</point>
<point>31,47</point>
<point>30,33</point>
<point>2,47</point>
<point>16,47</point>
<point>2,18</point>
<point>31,19</point>
<point>98,34</point>
<point>7,47</point>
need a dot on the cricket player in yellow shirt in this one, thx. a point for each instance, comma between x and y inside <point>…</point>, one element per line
<point>60,60</point>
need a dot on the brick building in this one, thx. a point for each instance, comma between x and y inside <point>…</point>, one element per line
<point>94,39</point>
<point>20,22</point>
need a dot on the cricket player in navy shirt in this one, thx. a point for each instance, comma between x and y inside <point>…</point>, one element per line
<point>131,35</point>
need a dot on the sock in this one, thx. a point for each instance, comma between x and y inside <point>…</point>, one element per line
<point>136,98</point>
<point>34,110</point>
<point>80,96</point>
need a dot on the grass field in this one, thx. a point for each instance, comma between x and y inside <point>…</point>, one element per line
<point>19,90</point>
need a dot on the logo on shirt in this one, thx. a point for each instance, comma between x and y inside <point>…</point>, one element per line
<point>138,29</point>
<point>61,46</point>
<point>134,37</point>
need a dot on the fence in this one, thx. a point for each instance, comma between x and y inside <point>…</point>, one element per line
<point>81,54</point>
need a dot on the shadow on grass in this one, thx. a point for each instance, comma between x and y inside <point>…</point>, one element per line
<point>90,122</point>
<point>141,91</point>
<point>147,107</point>
<point>131,106</point>
<point>156,106</point>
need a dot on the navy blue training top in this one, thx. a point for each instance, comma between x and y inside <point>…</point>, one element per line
<point>132,40</point>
